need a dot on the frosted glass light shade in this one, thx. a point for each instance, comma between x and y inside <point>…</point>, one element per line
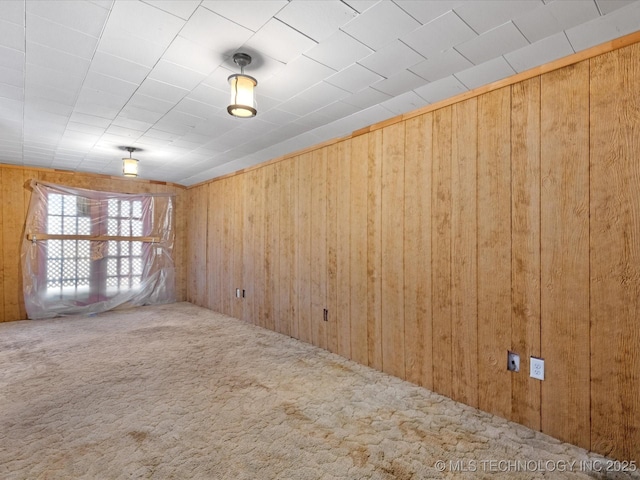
<point>130,167</point>
<point>242,103</point>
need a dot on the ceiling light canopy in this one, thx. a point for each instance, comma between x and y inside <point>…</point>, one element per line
<point>130,165</point>
<point>243,103</point>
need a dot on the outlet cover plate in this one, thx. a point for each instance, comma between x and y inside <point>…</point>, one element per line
<point>513,362</point>
<point>536,369</point>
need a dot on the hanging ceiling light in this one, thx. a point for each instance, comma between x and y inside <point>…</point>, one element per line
<point>243,102</point>
<point>130,165</point>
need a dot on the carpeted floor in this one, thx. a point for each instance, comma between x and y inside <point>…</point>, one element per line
<point>180,392</point>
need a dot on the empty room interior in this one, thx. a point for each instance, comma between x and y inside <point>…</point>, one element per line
<point>333,239</point>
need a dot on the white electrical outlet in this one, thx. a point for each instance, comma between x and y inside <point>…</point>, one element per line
<point>536,368</point>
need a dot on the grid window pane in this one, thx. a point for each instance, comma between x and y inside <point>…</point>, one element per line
<point>70,205</point>
<point>54,248</point>
<point>54,225</point>
<point>69,226</point>
<point>84,226</point>
<point>136,209</point>
<point>136,248</point>
<point>54,204</point>
<point>113,207</point>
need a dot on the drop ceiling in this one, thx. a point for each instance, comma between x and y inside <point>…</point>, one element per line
<point>80,78</point>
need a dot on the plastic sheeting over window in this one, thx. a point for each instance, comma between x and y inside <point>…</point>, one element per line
<point>87,251</point>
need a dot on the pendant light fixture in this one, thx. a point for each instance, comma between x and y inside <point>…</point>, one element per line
<point>243,103</point>
<point>130,165</point>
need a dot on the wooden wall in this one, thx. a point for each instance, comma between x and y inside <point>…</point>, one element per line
<point>509,220</point>
<point>15,195</point>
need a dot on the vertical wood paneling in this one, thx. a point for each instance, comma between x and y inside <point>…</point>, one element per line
<point>464,288</point>
<point>295,284</point>
<point>215,247</point>
<point>332,248</point>
<point>198,214</point>
<point>271,241</point>
<point>358,249</point>
<point>259,284</point>
<point>392,241</point>
<point>287,254</point>
<point>417,251</point>
<point>226,279</point>
<point>319,246</point>
<point>441,251</point>
<point>525,247</point>
<point>250,191</point>
<point>565,253</point>
<point>494,251</point>
<point>237,240</point>
<point>13,217</point>
<point>615,253</point>
<point>3,318</point>
<point>342,315</point>
<point>303,235</point>
<point>374,250</point>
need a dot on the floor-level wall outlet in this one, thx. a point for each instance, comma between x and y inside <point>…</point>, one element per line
<point>513,362</point>
<point>536,368</point>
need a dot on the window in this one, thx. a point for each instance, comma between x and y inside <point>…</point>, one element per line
<point>87,251</point>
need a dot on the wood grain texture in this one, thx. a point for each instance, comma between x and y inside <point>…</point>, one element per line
<point>214,256</point>
<point>494,251</point>
<point>374,250</point>
<point>464,288</point>
<point>441,251</point>
<point>342,316</point>
<point>259,290</point>
<point>615,253</point>
<point>3,317</point>
<point>250,192</point>
<point>358,241</point>
<point>197,218</point>
<point>286,250</point>
<point>525,247</point>
<point>319,247</point>
<point>237,190</point>
<point>564,262</point>
<point>13,217</point>
<point>303,236</point>
<point>271,263</point>
<point>418,329</point>
<point>392,241</point>
<point>332,248</point>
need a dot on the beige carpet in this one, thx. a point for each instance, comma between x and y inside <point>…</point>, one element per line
<point>180,392</point>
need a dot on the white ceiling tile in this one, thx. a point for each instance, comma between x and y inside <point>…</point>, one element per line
<point>79,15</point>
<point>12,76</point>
<point>338,51</point>
<point>280,41</point>
<point>176,75</point>
<point>381,24</point>
<point>441,65</point>
<point>313,98</point>
<point>103,83</point>
<point>144,21</point>
<point>214,32</point>
<point>555,17</point>
<point>337,110</point>
<point>503,39</point>
<point>96,109</point>
<point>613,25</point>
<point>11,35</point>
<point>192,56</point>
<point>279,117</point>
<point>608,6</point>
<point>541,52</point>
<point>424,12</point>
<point>11,92</point>
<point>179,8</point>
<point>361,5</point>
<point>483,16</point>
<point>317,19</point>
<point>150,103</point>
<point>199,109</point>
<point>212,96</point>
<point>91,120</point>
<point>354,78</point>
<point>123,132</point>
<point>140,114</point>
<point>441,34</point>
<point>56,79</point>
<point>294,78</point>
<point>441,89</point>
<point>485,73</point>
<point>404,103</point>
<point>366,97</point>
<point>39,90</point>
<point>392,58</point>
<point>11,58</point>
<point>56,36</point>
<point>399,83</point>
<point>84,128</point>
<point>118,67</point>
<point>161,90</point>
<point>56,60</point>
<point>117,42</point>
<point>122,121</point>
<point>12,12</point>
<point>251,14</point>
<point>36,104</point>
